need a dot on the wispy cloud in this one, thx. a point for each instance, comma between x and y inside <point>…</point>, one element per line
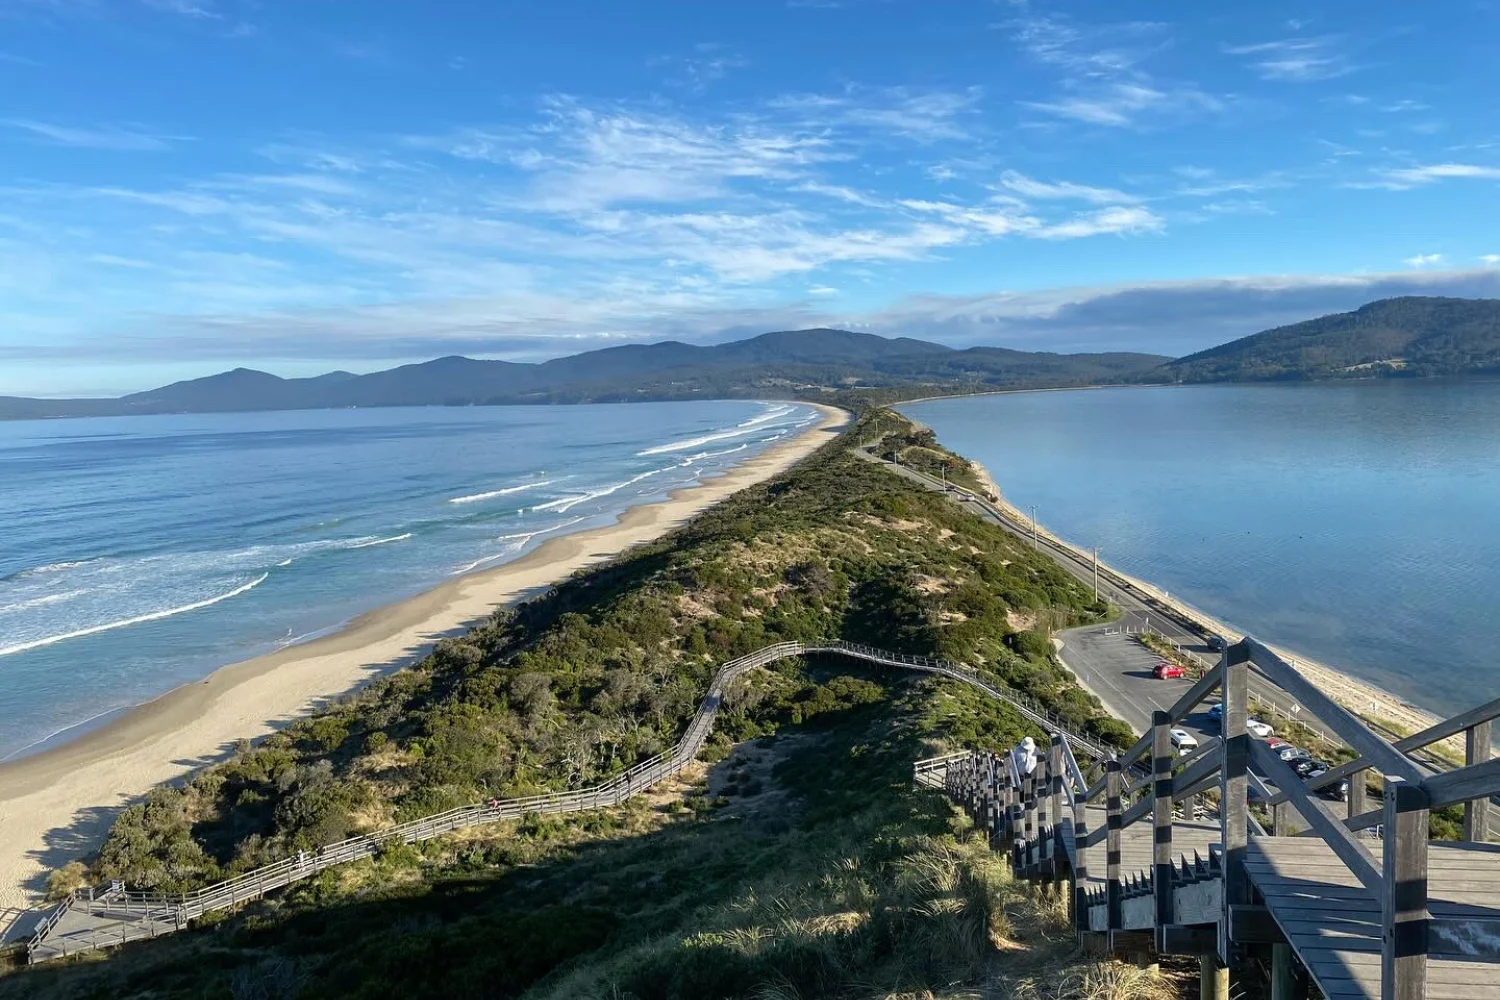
<point>1296,60</point>
<point>1410,177</point>
<point>1119,220</point>
<point>1028,187</point>
<point>1490,259</point>
<point>709,63</point>
<point>1103,77</point>
<point>1121,104</point>
<point>111,137</point>
<point>1424,260</point>
<point>920,115</point>
<point>187,8</point>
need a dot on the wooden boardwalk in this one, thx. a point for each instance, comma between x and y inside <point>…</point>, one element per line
<point>93,919</point>
<point>1397,917</point>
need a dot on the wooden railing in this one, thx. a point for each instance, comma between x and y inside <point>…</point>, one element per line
<point>1026,813</point>
<point>173,910</point>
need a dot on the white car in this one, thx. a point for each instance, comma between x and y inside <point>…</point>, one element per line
<point>1258,728</point>
<point>1183,742</point>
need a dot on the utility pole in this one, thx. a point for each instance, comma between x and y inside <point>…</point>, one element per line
<point>1033,527</point>
<point>1096,572</point>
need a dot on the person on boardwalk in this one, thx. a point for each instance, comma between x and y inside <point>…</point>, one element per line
<point>1025,757</point>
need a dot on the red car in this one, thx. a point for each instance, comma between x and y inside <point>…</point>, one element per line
<point>1168,671</point>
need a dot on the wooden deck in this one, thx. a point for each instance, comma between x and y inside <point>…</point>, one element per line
<point>1333,922</point>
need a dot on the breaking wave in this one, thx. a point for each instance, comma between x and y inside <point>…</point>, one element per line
<point>137,620</point>
<point>476,497</point>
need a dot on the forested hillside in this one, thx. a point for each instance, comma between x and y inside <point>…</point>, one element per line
<point>1411,336</point>
<point>798,858</point>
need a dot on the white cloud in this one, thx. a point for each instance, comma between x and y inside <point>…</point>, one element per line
<point>1408,177</point>
<point>709,63</point>
<point>111,137</point>
<point>822,290</point>
<point>1028,187</point>
<point>1490,259</point>
<point>1120,105</point>
<point>1296,60</point>
<point>1422,260</point>
<point>187,8</point>
<point>1107,221</point>
<point>924,116</point>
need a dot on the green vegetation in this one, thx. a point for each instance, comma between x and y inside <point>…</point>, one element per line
<point>802,861</point>
<point>1411,336</point>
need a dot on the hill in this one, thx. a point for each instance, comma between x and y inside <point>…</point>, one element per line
<point>797,859</point>
<point>808,363</point>
<point>1411,336</point>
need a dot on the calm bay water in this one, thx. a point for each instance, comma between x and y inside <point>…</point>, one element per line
<point>1356,524</point>
<point>139,553</point>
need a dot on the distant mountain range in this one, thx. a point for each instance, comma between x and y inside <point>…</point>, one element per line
<point>1393,337</point>
<point>790,363</point>
<point>1411,336</point>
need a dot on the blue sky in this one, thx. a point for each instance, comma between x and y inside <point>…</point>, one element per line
<point>190,185</point>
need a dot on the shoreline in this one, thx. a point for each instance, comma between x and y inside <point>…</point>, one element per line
<point>56,804</point>
<point>1361,697</point>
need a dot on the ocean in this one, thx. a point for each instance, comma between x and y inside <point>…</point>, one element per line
<point>140,553</point>
<point>1356,524</point>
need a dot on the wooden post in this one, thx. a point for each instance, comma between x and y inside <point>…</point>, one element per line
<point>1044,816</point>
<point>1055,769</point>
<point>1279,813</point>
<point>1161,835</point>
<point>1357,797</point>
<point>1477,811</point>
<point>1235,767</point>
<point>1028,827</point>
<point>1112,843</point>
<point>1080,865</point>
<point>1214,977</point>
<point>1288,978</point>
<point>1403,953</point>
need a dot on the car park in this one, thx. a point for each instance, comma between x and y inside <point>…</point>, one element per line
<point>1183,742</point>
<point>1258,728</point>
<point>1165,671</point>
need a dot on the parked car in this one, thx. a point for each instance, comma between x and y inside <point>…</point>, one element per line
<point>1165,671</point>
<point>1183,742</point>
<point>1338,790</point>
<point>1258,728</point>
<point>1305,766</point>
<point>1217,643</point>
<point>1289,753</point>
<point>1275,742</point>
<point>1217,712</point>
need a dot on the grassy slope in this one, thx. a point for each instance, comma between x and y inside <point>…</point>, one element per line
<point>826,874</point>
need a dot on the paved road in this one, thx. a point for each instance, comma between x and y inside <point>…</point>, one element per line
<point>1112,664</point>
<point>1117,668</point>
<point>1122,683</point>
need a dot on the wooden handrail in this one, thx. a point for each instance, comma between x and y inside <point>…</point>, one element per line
<point>1349,728</point>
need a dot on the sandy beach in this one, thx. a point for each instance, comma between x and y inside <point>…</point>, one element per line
<point>1358,696</point>
<point>56,806</point>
